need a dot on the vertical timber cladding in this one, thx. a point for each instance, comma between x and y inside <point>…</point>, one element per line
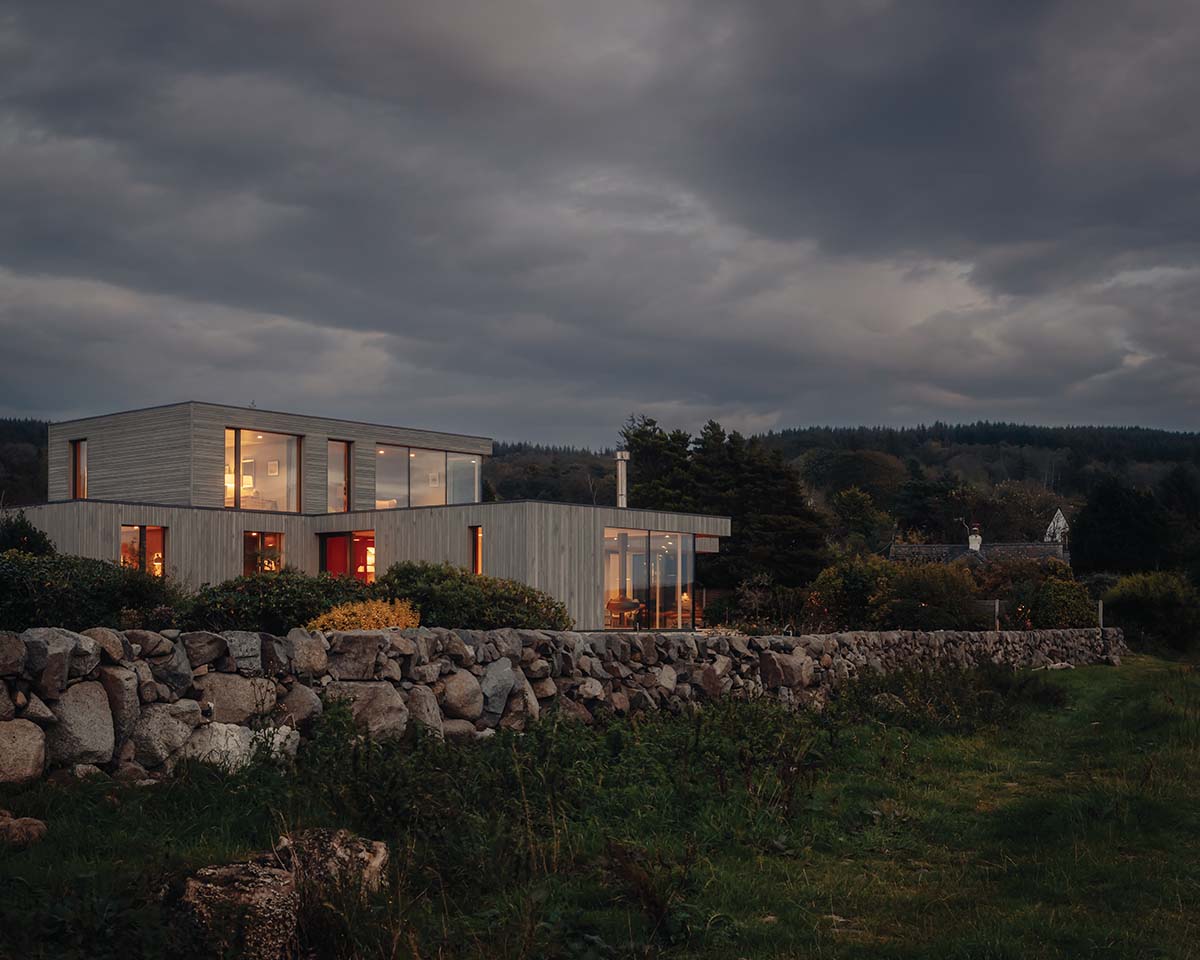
<point>144,455</point>
<point>202,546</point>
<point>209,421</point>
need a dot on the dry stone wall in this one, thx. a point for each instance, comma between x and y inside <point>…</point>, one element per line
<point>134,704</point>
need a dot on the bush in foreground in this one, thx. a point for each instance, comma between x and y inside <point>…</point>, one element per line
<point>271,602</point>
<point>449,596</point>
<point>17,533</point>
<point>367,615</point>
<point>1155,609</point>
<point>77,593</point>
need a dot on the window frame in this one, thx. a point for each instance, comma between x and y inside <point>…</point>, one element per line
<point>237,469</point>
<point>142,529</point>
<point>476,531</point>
<point>79,477</point>
<point>348,467</point>
<point>262,534</point>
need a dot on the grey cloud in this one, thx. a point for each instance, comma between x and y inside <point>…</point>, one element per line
<point>532,220</point>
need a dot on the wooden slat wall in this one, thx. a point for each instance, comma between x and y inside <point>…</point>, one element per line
<point>203,546</point>
<point>555,547</point>
<point>143,456</point>
<point>210,420</point>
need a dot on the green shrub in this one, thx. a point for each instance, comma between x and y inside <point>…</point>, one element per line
<point>1155,609</point>
<point>1059,604</point>
<point>848,591</point>
<point>271,602</point>
<point>449,596</point>
<point>929,596</point>
<point>17,533</point>
<point>56,590</point>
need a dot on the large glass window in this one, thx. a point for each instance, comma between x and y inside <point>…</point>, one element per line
<point>79,473</point>
<point>144,548</point>
<point>648,580</point>
<point>338,484</point>
<point>349,554</point>
<point>626,578</point>
<point>262,552</point>
<point>262,470</point>
<point>462,475</point>
<point>391,476</point>
<point>427,477</point>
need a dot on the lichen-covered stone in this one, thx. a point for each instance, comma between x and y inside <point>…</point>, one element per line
<point>84,732</point>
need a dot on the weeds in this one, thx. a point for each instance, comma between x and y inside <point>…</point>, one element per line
<point>936,816</point>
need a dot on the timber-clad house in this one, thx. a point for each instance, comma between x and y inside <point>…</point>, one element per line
<point>205,492</point>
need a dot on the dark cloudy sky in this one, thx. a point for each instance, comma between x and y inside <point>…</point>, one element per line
<point>530,219</point>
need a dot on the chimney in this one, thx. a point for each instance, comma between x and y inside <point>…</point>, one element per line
<point>622,482</point>
<point>975,539</point>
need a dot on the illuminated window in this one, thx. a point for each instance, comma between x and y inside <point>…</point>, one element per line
<point>476,550</point>
<point>79,470</point>
<point>349,554</point>
<point>648,580</point>
<point>391,476</point>
<point>262,470</point>
<point>262,552</point>
<point>338,494</point>
<point>144,548</point>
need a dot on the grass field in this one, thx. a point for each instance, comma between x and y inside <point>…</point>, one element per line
<point>1053,816</point>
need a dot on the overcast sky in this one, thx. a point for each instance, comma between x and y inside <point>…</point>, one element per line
<point>531,219</point>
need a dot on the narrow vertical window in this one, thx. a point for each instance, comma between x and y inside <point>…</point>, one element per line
<point>79,470</point>
<point>231,471</point>
<point>339,477</point>
<point>476,550</point>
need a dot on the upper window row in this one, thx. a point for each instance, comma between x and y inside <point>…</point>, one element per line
<point>262,472</point>
<point>408,477</point>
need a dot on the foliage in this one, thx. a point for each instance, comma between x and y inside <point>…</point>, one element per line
<point>986,821</point>
<point>1061,603</point>
<point>449,596</point>
<point>1120,530</point>
<point>22,462</point>
<point>57,590</point>
<point>858,523</point>
<point>1155,609</point>
<point>847,593</point>
<point>930,596</point>
<point>271,602</point>
<point>17,533</point>
<point>367,615</point>
<point>527,471</point>
<point>775,530</point>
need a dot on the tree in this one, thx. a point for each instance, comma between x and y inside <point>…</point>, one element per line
<point>859,523</point>
<point>775,530</point>
<point>1120,530</point>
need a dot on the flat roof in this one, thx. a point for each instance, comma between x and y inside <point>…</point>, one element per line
<point>281,413</point>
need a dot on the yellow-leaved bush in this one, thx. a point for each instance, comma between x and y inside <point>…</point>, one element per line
<point>367,615</point>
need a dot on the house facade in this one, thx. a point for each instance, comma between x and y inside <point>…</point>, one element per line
<point>204,492</point>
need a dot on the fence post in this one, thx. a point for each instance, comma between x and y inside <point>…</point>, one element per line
<point>1100,613</point>
<point>997,614</point>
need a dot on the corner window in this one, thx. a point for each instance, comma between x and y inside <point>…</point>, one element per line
<point>262,470</point>
<point>648,580</point>
<point>79,470</point>
<point>462,477</point>
<point>144,548</point>
<point>338,477</point>
<point>262,552</point>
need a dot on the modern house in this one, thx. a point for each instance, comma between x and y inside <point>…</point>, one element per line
<point>204,492</point>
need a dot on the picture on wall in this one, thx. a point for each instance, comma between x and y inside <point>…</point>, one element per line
<point>272,468</point>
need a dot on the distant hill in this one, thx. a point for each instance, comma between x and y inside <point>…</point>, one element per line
<point>1065,460</point>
